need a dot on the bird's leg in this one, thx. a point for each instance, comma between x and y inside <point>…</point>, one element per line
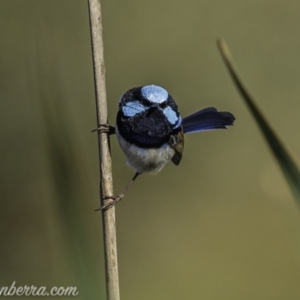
<point>116,199</point>
<point>105,128</point>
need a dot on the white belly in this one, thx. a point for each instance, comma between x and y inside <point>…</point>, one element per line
<point>150,160</point>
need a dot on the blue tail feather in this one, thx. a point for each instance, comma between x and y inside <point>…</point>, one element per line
<point>207,119</point>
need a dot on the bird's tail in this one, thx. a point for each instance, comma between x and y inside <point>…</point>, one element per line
<point>207,119</point>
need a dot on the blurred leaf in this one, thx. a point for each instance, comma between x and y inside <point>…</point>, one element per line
<point>285,160</point>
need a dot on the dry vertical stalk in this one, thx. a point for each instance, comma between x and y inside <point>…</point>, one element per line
<point>106,186</point>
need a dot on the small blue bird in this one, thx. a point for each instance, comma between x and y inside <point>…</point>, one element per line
<point>151,131</point>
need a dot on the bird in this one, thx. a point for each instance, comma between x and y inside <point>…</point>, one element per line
<point>151,131</point>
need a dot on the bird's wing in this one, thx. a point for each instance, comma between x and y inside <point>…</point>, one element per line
<point>176,142</point>
<point>207,119</point>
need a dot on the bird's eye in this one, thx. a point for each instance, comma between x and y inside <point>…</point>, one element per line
<point>163,105</point>
<point>144,102</point>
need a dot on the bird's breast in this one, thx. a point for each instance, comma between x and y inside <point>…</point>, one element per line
<point>145,160</point>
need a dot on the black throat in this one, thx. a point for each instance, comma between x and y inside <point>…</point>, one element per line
<point>149,129</point>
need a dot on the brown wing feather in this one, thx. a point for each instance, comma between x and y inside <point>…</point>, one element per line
<point>176,142</point>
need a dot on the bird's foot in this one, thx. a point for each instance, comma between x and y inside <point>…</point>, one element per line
<point>105,128</point>
<point>115,200</point>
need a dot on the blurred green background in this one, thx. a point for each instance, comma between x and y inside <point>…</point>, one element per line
<point>222,225</point>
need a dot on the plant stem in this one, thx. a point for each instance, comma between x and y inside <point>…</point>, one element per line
<point>284,158</point>
<point>106,185</point>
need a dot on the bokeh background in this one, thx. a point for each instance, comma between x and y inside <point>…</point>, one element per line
<point>222,225</point>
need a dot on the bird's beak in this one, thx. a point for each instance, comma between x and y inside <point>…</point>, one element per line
<point>152,109</point>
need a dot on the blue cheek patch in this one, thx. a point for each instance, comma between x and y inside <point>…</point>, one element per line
<point>132,108</point>
<point>178,123</point>
<point>171,115</point>
<point>154,93</point>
